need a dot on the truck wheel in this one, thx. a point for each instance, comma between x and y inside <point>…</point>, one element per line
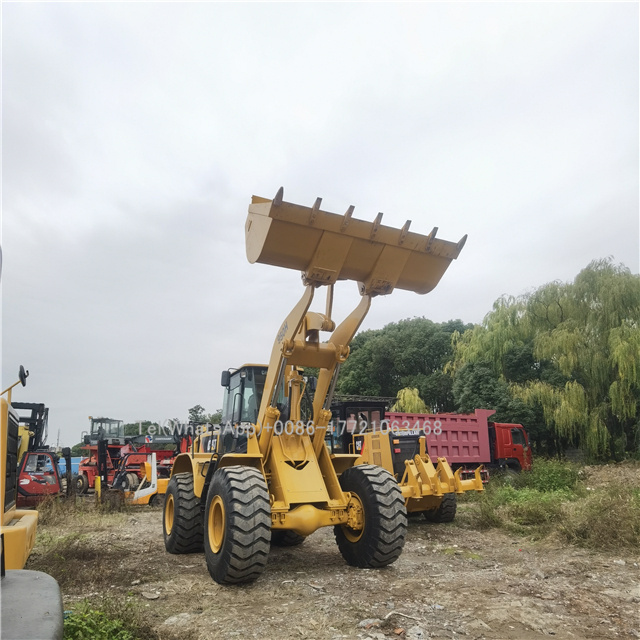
<point>182,518</point>
<point>237,529</point>
<point>82,484</point>
<point>285,538</point>
<point>446,510</point>
<point>377,501</point>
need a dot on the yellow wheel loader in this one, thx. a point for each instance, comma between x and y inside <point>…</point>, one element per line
<point>31,602</point>
<point>266,475</point>
<point>360,426</point>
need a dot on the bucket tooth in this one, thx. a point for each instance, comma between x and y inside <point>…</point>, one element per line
<point>314,210</point>
<point>430,238</point>
<point>376,226</point>
<point>404,231</point>
<point>461,242</point>
<point>347,218</point>
<point>328,247</point>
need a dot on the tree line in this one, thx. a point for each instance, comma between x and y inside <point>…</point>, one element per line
<point>563,360</point>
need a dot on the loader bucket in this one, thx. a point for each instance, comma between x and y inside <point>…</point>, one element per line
<point>328,247</point>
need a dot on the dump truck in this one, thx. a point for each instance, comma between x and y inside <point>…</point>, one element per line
<point>22,590</point>
<point>362,425</point>
<point>469,440</point>
<point>267,473</point>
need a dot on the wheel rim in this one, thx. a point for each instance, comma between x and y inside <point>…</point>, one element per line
<point>168,514</point>
<point>216,523</point>
<point>356,514</point>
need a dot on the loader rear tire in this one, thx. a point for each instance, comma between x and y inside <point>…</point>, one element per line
<point>182,518</point>
<point>286,538</point>
<point>237,530</point>
<point>380,541</point>
<point>446,511</point>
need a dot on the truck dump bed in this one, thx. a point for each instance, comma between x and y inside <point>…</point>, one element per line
<point>463,439</point>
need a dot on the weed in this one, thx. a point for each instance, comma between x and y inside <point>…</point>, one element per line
<point>85,623</point>
<point>548,476</point>
<point>552,499</point>
<point>609,518</point>
<point>107,620</point>
<point>79,511</point>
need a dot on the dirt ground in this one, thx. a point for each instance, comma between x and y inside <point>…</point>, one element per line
<point>450,581</point>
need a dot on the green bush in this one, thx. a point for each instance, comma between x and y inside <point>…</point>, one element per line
<point>552,499</point>
<point>107,619</point>
<point>507,505</point>
<point>549,475</point>
<point>86,623</point>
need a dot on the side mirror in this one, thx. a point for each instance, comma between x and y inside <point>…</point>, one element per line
<point>23,375</point>
<point>312,383</point>
<point>66,451</point>
<point>226,378</point>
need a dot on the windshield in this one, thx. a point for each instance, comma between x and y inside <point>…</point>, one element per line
<point>244,394</point>
<point>107,427</point>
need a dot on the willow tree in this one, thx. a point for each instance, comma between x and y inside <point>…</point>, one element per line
<point>584,341</point>
<point>409,401</point>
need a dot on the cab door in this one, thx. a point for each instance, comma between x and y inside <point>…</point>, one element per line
<point>520,447</point>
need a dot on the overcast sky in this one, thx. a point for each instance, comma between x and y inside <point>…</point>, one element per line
<point>135,134</point>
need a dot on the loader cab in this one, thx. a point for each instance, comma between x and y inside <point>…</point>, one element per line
<point>243,394</point>
<point>351,416</point>
<point>105,429</point>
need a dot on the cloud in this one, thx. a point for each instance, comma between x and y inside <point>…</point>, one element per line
<point>135,134</point>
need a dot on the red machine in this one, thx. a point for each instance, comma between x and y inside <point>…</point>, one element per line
<point>38,472</point>
<point>38,477</point>
<point>468,440</point>
<point>118,448</point>
<point>116,455</point>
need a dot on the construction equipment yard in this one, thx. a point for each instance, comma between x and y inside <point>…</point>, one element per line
<point>452,580</point>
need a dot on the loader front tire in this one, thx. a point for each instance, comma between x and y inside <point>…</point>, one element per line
<point>379,542</point>
<point>446,511</point>
<point>286,538</point>
<point>182,518</point>
<point>237,529</point>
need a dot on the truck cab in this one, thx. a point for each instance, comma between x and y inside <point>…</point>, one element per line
<point>510,445</point>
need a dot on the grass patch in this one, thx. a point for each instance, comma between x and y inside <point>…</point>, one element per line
<point>548,476</point>
<point>106,620</point>
<point>552,499</point>
<point>74,560</point>
<point>67,547</point>
<point>609,518</point>
<point>76,511</point>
